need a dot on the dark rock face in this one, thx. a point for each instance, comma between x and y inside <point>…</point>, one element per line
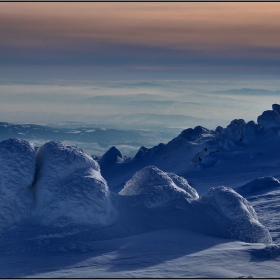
<point>110,157</point>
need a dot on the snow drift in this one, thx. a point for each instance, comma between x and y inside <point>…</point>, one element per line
<point>157,187</point>
<point>69,187</point>
<point>17,168</point>
<point>258,185</point>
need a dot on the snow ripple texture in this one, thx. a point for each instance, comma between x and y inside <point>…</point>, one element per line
<point>70,188</point>
<point>17,168</point>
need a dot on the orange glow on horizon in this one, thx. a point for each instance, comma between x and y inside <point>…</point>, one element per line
<point>174,25</point>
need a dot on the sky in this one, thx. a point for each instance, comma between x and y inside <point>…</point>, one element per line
<point>183,52</point>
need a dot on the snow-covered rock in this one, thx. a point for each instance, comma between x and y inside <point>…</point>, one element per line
<point>270,118</point>
<point>17,168</point>
<point>237,133</point>
<point>257,185</point>
<point>236,216</point>
<point>206,157</point>
<point>157,187</point>
<point>70,188</point>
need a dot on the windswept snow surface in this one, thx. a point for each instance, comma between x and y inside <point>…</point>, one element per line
<point>206,204</point>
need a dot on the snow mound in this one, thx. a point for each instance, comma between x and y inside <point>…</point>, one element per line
<point>236,215</point>
<point>17,162</point>
<point>158,187</point>
<point>70,188</point>
<point>257,185</point>
<point>270,118</point>
<point>113,155</point>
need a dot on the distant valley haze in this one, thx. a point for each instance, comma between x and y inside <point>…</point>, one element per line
<point>158,67</point>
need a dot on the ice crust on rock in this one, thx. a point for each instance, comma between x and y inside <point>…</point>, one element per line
<point>70,188</point>
<point>158,187</point>
<point>236,215</point>
<point>259,184</point>
<point>17,168</point>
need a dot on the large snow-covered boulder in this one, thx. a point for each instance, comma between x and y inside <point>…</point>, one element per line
<point>17,168</point>
<point>157,187</point>
<point>70,188</point>
<point>235,215</point>
<point>258,185</point>
<point>270,118</point>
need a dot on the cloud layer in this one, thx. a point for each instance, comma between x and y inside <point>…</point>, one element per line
<point>151,36</point>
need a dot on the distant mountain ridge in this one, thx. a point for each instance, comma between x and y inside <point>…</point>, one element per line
<point>99,135</point>
<point>248,91</point>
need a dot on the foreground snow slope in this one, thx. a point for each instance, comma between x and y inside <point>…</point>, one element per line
<point>165,253</point>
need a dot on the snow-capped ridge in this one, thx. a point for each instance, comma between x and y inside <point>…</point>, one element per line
<point>237,133</point>
<point>192,134</point>
<point>142,152</point>
<point>270,118</point>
